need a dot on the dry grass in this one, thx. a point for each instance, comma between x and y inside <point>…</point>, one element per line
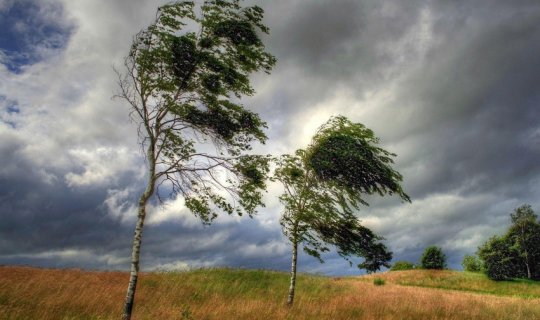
<point>29,293</point>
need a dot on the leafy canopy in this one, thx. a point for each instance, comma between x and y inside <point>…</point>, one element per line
<point>347,155</point>
<point>433,258</point>
<point>498,258</point>
<point>185,75</point>
<point>471,263</point>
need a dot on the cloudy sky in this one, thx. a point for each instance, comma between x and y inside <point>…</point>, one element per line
<point>452,87</point>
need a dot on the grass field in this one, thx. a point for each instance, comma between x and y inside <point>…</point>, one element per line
<point>31,293</point>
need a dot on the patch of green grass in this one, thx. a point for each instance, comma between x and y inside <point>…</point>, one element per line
<point>235,283</point>
<point>466,281</point>
<point>379,282</point>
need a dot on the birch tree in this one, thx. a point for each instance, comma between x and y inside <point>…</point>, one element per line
<point>183,78</point>
<point>324,188</point>
<point>524,236</point>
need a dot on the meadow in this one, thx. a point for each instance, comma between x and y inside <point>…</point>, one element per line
<point>33,293</point>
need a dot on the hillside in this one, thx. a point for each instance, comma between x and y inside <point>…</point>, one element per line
<point>31,293</point>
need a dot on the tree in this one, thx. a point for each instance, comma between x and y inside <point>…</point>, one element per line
<point>184,75</point>
<point>402,265</point>
<point>500,261</point>
<point>433,258</point>
<point>524,236</point>
<point>516,254</point>
<point>471,263</point>
<point>319,202</point>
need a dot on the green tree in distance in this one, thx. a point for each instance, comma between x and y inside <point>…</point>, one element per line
<point>515,254</point>
<point>433,258</point>
<point>500,261</point>
<point>324,185</point>
<point>471,263</point>
<point>524,236</point>
<point>183,77</point>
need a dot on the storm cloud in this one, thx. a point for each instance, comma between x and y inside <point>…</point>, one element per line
<point>451,87</point>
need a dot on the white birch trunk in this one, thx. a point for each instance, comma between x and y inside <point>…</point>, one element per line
<point>137,238</point>
<point>292,286</point>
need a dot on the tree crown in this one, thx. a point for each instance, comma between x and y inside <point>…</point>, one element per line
<point>433,258</point>
<point>185,75</point>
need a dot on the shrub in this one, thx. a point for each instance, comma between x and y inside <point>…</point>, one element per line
<point>378,282</point>
<point>402,265</point>
<point>499,259</point>
<point>471,263</point>
<point>433,258</point>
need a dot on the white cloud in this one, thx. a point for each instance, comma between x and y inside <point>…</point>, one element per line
<point>102,166</point>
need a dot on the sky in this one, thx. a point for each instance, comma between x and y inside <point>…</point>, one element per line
<point>451,87</point>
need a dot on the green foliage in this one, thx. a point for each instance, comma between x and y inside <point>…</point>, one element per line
<point>320,206</point>
<point>524,238</point>
<point>346,154</point>
<point>433,258</point>
<point>499,259</point>
<point>184,85</point>
<point>402,266</point>
<point>471,263</point>
<point>378,282</point>
<point>516,254</point>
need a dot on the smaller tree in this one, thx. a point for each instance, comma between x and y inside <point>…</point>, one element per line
<point>471,263</point>
<point>433,258</point>
<point>324,185</point>
<point>402,266</point>
<point>500,261</point>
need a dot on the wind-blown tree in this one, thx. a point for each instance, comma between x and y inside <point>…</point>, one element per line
<point>324,185</point>
<point>184,76</point>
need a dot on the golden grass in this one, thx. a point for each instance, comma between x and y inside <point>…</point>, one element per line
<point>30,293</point>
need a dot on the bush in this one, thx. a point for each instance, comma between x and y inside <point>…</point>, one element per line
<point>499,259</point>
<point>402,265</point>
<point>433,258</point>
<point>378,282</point>
<point>471,263</point>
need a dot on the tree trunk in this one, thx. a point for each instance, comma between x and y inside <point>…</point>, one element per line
<point>528,268</point>
<point>290,298</point>
<point>136,248</point>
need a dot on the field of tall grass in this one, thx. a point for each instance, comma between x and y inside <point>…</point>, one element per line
<point>31,293</point>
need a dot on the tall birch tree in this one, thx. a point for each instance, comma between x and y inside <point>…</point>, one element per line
<point>183,78</point>
<point>324,188</point>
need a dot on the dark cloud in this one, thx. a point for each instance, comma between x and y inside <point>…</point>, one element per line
<point>453,87</point>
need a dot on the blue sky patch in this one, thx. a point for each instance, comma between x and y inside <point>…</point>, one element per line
<point>29,30</point>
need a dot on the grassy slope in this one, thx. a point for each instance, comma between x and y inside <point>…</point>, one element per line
<point>29,293</point>
<point>463,281</point>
